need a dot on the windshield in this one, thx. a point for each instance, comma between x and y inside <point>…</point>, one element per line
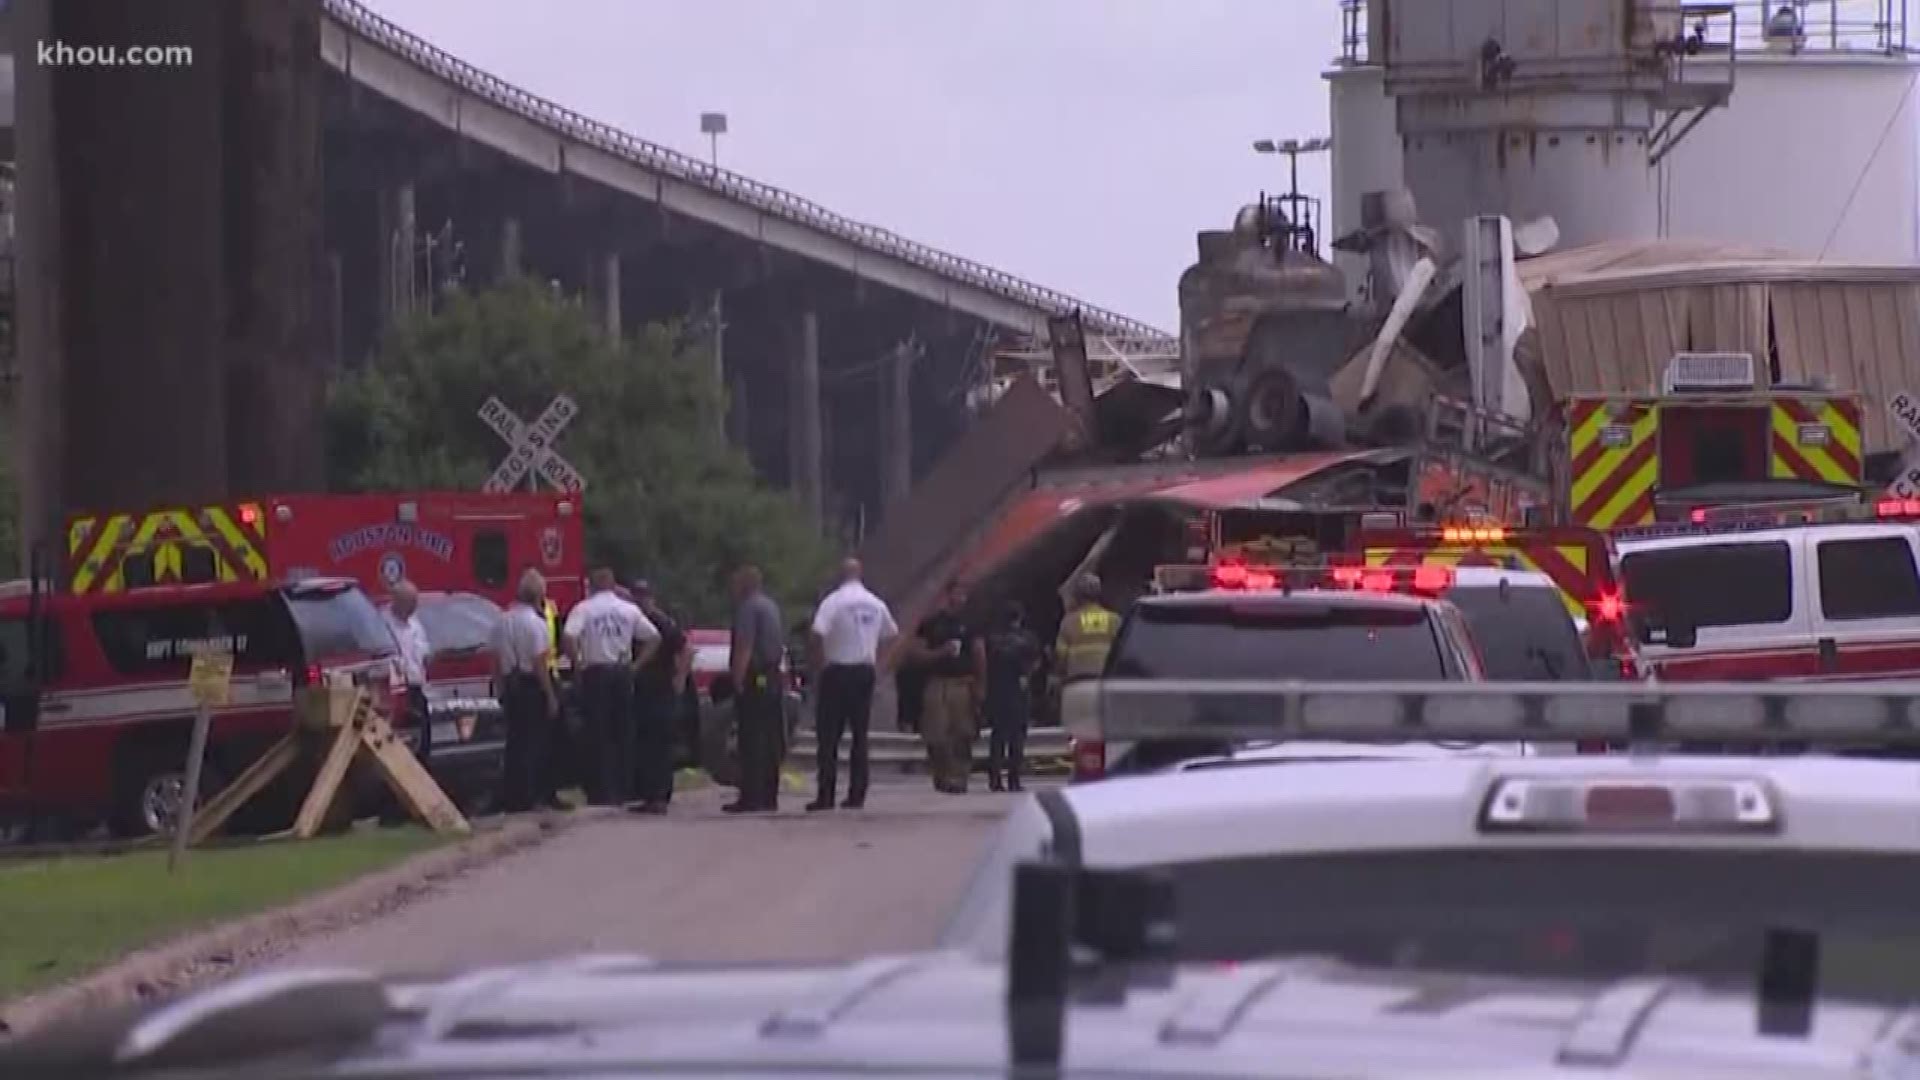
<point>1584,913</point>
<point>1524,632</point>
<point>460,622</point>
<point>1259,640</point>
<point>338,621</point>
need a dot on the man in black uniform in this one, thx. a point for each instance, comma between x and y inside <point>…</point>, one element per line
<point>656,705</point>
<point>755,649</point>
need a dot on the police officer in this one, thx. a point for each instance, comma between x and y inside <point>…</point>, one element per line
<point>755,649</point>
<point>1086,634</point>
<point>607,638</point>
<point>522,653</point>
<point>656,706</point>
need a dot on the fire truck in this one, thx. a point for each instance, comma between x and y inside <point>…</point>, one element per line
<point>1712,438</point>
<point>446,541</point>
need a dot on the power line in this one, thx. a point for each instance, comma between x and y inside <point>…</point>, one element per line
<point>1861,180</point>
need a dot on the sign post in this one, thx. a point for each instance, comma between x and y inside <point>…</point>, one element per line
<point>211,681</point>
<point>1904,408</point>
<point>530,446</point>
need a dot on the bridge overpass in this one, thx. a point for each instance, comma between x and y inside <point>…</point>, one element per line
<point>848,350</point>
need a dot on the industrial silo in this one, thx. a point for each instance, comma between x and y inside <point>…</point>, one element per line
<point>1791,129</point>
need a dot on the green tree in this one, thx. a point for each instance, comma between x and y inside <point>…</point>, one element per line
<point>666,495</point>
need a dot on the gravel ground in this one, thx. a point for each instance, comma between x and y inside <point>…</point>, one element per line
<point>698,885</point>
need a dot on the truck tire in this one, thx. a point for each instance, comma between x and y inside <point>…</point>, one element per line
<point>149,780</point>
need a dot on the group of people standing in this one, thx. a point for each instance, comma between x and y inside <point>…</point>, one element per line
<point>952,678</point>
<point>629,658</point>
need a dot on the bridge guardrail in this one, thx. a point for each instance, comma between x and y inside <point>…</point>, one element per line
<point>680,166</point>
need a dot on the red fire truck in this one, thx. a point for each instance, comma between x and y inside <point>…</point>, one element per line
<point>443,541</point>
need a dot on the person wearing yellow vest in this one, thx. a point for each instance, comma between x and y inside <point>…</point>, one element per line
<point>553,634</point>
<point>1086,633</point>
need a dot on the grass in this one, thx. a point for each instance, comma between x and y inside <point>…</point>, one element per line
<point>63,917</point>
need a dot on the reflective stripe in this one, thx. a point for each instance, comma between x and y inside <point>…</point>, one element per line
<point>98,547</point>
<point>1565,564</point>
<point>1085,638</point>
<point>553,637</point>
<point>1836,460</point>
<point>1613,462</point>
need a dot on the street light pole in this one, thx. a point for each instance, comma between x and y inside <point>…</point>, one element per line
<point>713,125</point>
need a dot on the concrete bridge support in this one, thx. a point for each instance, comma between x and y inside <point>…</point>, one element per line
<point>122,270</point>
<point>896,425</point>
<point>805,453</point>
<point>168,321</point>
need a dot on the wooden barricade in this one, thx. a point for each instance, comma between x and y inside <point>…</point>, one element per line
<point>335,725</point>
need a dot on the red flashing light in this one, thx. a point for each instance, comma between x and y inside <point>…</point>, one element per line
<point>1377,582</point>
<point>249,515</point>
<point>1698,516</point>
<point>1897,508</point>
<point>1262,579</point>
<point>1432,579</point>
<point>1230,576</point>
<point>1610,608</point>
<point>1347,576</point>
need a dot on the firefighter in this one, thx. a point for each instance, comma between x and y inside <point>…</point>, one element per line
<point>522,655</point>
<point>1086,633</point>
<point>955,660</point>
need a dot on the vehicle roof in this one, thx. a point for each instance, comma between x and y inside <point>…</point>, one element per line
<point>1301,750</point>
<point>1328,598</point>
<point>1827,803</point>
<point>1627,545</point>
<point>906,1015</point>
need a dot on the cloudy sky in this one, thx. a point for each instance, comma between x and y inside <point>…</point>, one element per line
<point>1078,143</point>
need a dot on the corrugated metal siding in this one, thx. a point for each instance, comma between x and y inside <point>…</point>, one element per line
<point>1863,337</point>
<point>1857,328</point>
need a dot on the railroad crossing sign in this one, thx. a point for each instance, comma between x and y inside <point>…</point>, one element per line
<point>531,446</point>
<point>1905,410</point>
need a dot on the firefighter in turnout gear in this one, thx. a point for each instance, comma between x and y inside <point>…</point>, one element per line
<point>1086,633</point>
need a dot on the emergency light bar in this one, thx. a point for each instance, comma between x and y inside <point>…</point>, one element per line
<point>1253,577</point>
<point>1130,710</point>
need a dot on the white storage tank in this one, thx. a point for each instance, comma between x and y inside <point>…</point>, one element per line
<point>1811,119</point>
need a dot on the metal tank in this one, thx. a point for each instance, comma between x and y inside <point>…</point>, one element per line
<point>1810,153</point>
<point>1263,325</point>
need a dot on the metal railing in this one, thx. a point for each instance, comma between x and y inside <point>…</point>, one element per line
<point>764,197</point>
<point>1828,27</point>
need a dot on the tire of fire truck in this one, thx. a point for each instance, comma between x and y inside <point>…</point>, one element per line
<point>150,777</point>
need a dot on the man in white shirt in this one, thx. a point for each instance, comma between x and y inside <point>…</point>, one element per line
<point>522,647</point>
<point>608,637</point>
<point>849,628</point>
<point>411,650</point>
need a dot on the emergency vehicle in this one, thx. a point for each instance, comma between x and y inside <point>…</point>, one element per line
<point>1580,562</point>
<point>442,541</point>
<point>1778,593</point>
<point>98,705</point>
<point>1711,438</point>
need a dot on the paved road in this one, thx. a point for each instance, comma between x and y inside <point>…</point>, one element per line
<point>698,886</point>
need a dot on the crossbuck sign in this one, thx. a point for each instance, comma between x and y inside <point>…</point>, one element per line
<point>1904,408</point>
<point>531,446</point>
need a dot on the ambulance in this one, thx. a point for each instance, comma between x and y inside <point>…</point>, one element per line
<point>471,542</point>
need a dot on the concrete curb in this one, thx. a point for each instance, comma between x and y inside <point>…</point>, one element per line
<point>204,955</point>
